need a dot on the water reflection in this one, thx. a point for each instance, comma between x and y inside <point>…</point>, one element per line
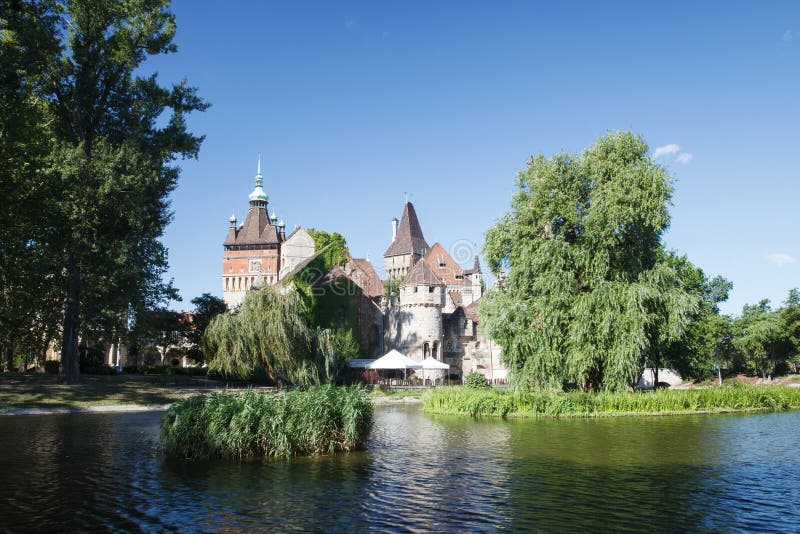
<point>84,472</point>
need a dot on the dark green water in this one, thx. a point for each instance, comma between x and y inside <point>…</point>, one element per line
<point>420,473</point>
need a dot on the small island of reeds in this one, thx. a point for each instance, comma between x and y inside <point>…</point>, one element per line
<point>539,404</point>
<point>253,424</point>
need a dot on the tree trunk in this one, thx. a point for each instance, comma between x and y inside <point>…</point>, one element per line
<point>655,376</point>
<point>69,370</point>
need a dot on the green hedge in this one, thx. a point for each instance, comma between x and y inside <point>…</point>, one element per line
<point>505,403</point>
<point>319,420</point>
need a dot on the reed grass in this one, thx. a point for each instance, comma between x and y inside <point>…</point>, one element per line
<point>319,420</point>
<point>537,404</point>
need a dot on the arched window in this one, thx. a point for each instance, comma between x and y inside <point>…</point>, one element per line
<point>435,352</point>
<point>426,350</point>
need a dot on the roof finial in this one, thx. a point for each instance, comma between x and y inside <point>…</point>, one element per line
<point>259,163</point>
<point>406,195</point>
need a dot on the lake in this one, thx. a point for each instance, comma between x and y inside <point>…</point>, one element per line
<point>419,472</point>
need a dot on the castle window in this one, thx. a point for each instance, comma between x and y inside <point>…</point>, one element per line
<point>430,289</point>
<point>415,289</point>
<point>426,350</point>
<point>435,349</point>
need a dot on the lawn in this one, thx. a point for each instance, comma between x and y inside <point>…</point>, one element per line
<point>43,390</point>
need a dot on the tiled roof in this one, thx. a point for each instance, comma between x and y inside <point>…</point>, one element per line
<point>256,230</point>
<point>409,238</point>
<point>363,273</point>
<point>445,267</point>
<point>421,274</point>
<point>456,297</point>
<point>476,268</point>
<point>471,311</point>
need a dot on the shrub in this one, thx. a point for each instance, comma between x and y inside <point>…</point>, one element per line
<point>476,380</point>
<point>502,403</point>
<point>320,420</point>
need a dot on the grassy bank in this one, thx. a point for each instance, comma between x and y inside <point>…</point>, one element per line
<point>319,420</point>
<point>504,403</point>
<point>44,391</point>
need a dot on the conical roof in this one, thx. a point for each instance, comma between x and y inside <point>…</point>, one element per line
<point>409,238</point>
<point>422,275</point>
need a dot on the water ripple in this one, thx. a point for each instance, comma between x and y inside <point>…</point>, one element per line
<point>418,473</point>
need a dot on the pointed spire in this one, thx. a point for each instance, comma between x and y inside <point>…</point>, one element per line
<point>258,194</point>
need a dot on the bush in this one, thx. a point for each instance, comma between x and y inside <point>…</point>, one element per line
<point>476,380</point>
<point>502,403</point>
<point>320,420</point>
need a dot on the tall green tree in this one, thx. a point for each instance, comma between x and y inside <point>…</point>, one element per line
<point>706,343</point>
<point>790,316</point>
<point>759,334</point>
<point>588,293</point>
<point>115,138</point>
<point>30,282</point>
<point>206,307</point>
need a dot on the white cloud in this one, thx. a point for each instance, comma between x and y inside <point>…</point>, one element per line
<point>684,158</point>
<point>780,259</point>
<point>788,35</point>
<point>665,150</point>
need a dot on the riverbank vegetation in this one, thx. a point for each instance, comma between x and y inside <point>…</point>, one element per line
<point>542,403</point>
<point>319,420</point>
<point>588,294</point>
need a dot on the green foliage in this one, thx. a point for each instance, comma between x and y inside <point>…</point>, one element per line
<point>588,293</point>
<point>476,380</point>
<point>329,303</point>
<point>206,307</point>
<point>320,420</point>
<point>707,340</point>
<point>271,331</point>
<point>333,246</point>
<point>759,334</point>
<point>392,285</point>
<point>506,403</point>
<point>98,161</point>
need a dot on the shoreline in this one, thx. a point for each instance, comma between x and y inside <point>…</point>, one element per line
<point>132,408</point>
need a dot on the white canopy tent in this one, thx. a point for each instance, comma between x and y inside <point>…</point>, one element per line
<point>395,360</point>
<point>431,363</point>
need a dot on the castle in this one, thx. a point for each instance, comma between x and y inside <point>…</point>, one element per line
<point>435,312</point>
<point>258,251</point>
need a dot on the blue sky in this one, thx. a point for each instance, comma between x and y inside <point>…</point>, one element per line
<point>353,104</point>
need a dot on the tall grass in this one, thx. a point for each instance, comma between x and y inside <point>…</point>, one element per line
<point>319,420</point>
<point>504,403</point>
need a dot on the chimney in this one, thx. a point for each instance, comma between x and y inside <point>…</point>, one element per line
<point>394,228</point>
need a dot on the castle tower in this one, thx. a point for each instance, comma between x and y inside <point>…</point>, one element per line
<point>251,252</point>
<point>477,277</point>
<point>415,326</point>
<point>408,244</point>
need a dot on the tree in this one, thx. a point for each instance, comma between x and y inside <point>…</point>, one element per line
<point>758,334</point>
<point>270,331</point>
<point>790,316</point>
<point>706,342</point>
<point>30,282</point>
<point>336,252</point>
<point>206,307</point>
<point>113,140</point>
<point>588,293</point>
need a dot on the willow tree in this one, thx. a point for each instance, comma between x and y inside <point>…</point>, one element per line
<point>271,331</point>
<point>588,294</point>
